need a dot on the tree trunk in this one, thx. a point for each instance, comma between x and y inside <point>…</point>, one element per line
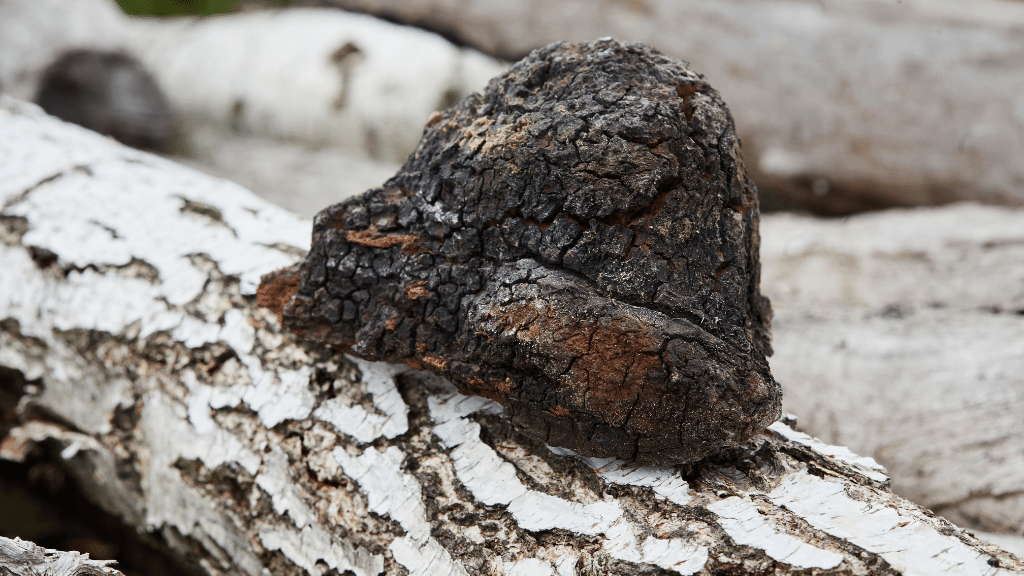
<point>127,299</point>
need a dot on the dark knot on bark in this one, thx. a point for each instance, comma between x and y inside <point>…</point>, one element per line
<point>111,93</point>
<point>579,243</point>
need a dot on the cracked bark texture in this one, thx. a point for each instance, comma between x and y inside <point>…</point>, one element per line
<point>579,243</point>
<point>127,304</point>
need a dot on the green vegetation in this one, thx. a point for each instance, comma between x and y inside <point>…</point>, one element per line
<point>182,7</point>
<point>177,7</point>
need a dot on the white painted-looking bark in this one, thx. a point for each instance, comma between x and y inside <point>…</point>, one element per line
<point>878,525</point>
<point>844,103</point>
<point>309,75</point>
<point>389,418</point>
<point>257,454</point>
<point>664,483</point>
<point>299,105</point>
<point>743,522</point>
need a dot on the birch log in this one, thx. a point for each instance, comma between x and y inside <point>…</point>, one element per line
<point>34,33</point>
<point>303,103</point>
<point>899,334</point>
<point>842,104</point>
<point>296,104</point>
<point>127,299</point>
<point>322,77</point>
<point>21,558</point>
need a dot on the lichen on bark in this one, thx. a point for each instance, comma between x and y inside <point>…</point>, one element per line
<point>579,243</point>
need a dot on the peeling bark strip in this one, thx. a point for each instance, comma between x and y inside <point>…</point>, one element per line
<point>578,243</point>
<point>21,558</point>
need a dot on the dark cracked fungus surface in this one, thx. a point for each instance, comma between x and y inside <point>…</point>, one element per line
<point>579,243</point>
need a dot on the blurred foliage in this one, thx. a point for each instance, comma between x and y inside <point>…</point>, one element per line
<point>183,7</point>
<point>177,7</point>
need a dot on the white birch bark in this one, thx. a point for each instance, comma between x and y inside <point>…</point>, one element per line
<point>127,299</point>
<point>33,33</point>
<point>296,104</point>
<point>322,77</point>
<point>842,104</point>
<point>21,558</point>
<point>899,334</point>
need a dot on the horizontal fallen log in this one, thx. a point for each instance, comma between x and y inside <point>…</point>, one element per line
<point>35,33</point>
<point>296,104</point>
<point>903,296</point>
<point>934,120</point>
<point>128,300</point>
<point>899,335</point>
<point>321,77</point>
<point>842,105</point>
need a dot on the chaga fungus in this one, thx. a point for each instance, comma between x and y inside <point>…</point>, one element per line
<point>578,243</point>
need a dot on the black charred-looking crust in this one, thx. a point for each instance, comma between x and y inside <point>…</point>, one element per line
<point>578,243</point>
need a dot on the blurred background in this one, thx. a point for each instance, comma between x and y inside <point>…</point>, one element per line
<point>843,106</point>
<point>886,138</point>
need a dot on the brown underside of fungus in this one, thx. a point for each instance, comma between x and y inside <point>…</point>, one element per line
<point>578,243</point>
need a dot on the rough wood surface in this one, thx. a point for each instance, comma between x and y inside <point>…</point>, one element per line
<point>578,243</point>
<point>21,558</point>
<point>900,334</point>
<point>842,104</point>
<point>127,299</point>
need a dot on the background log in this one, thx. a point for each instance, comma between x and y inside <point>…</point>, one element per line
<point>899,334</point>
<point>301,104</point>
<point>127,299</point>
<point>295,104</point>
<point>842,105</point>
<point>21,558</point>
<point>34,33</point>
<point>322,77</point>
